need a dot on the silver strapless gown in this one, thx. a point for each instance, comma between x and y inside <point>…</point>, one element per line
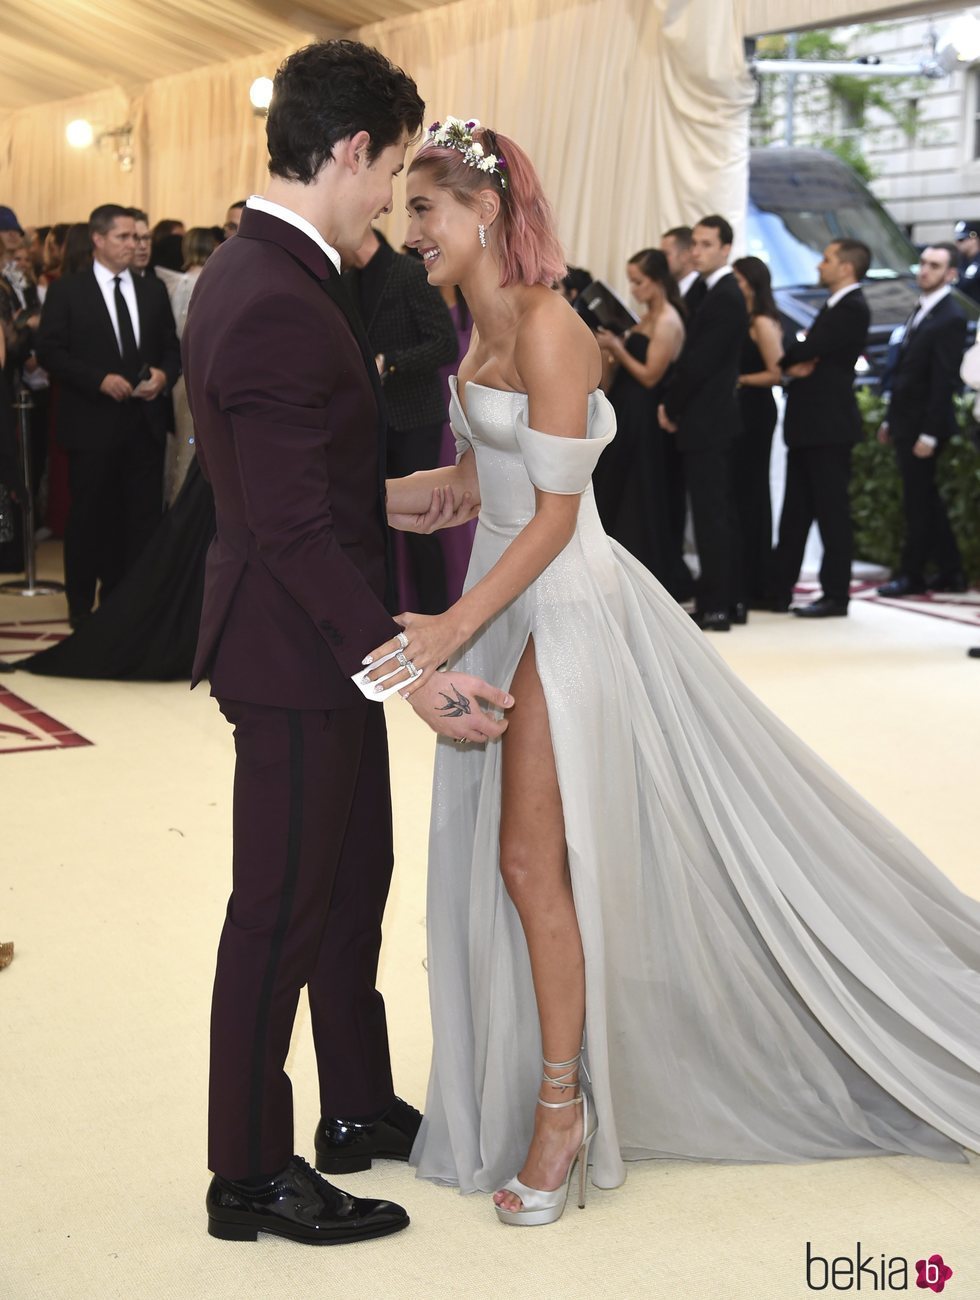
<point>773,972</point>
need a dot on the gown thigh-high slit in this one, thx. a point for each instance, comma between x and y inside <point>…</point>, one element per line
<point>773,971</point>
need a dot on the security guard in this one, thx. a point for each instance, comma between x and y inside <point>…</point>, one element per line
<point>967,236</point>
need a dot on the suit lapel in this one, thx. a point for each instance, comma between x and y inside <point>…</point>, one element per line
<point>142,310</point>
<point>336,289</point>
<point>100,313</point>
<point>262,225</point>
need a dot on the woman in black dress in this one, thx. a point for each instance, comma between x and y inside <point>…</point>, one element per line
<point>760,372</point>
<point>630,479</point>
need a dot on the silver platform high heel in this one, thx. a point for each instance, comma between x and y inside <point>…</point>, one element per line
<point>538,1207</point>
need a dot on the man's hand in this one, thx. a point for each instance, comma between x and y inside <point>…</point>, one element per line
<point>664,420</point>
<point>923,449</point>
<point>884,433</point>
<point>444,512</point>
<point>116,387</point>
<point>447,702</point>
<point>152,387</point>
<point>803,369</point>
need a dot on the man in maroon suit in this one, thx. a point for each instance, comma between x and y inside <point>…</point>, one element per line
<point>286,405</point>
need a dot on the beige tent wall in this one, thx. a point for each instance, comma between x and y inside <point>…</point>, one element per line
<point>635,113</point>
<point>197,147</point>
<point>44,180</point>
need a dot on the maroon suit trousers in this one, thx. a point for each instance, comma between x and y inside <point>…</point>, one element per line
<point>311,871</point>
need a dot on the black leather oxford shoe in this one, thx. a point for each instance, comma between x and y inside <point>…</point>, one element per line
<point>901,586</point>
<point>345,1146</point>
<point>738,614</point>
<point>713,620</point>
<point>822,608</point>
<point>300,1205</point>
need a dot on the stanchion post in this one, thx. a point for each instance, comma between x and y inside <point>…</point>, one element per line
<point>27,587</point>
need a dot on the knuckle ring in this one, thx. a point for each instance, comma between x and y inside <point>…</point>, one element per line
<point>411,668</point>
<point>402,640</point>
<point>401,659</point>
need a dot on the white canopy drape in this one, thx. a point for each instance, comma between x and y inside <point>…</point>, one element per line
<point>634,112</point>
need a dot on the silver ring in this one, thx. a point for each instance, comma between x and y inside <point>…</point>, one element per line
<point>401,659</point>
<point>411,668</point>
<point>402,639</point>
<point>459,740</point>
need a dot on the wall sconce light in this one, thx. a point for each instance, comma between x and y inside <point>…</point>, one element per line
<point>81,134</point>
<point>260,95</point>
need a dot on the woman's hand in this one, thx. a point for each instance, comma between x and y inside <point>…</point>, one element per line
<point>426,643</point>
<point>610,342</point>
<point>444,512</point>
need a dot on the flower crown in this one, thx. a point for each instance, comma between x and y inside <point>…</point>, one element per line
<point>454,133</point>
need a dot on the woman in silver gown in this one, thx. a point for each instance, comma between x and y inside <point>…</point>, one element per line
<point>761,966</point>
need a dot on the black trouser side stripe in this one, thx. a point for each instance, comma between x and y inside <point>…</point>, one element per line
<point>293,836</point>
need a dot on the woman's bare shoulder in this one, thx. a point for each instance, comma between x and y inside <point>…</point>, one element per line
<point>550,332</point>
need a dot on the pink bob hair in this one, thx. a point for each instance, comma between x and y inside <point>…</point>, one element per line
<point>524,233</point>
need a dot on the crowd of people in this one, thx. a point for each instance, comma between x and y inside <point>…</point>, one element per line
<point>112,451</point>
<point>692,383</point>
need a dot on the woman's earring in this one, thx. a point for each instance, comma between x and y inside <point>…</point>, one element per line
<point>482,231</point>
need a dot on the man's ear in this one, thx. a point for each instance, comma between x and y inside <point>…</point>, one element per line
<point>353,152</point>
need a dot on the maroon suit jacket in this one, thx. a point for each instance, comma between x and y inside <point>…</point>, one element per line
<point>286,407</point>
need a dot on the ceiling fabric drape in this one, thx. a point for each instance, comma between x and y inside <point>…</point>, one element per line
<point>196,148</point>
<point>635,113</point>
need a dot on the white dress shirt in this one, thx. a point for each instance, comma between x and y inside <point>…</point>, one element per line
<point>106,280</point>
<point>926,304</point>
<point>686,281</point>
<point>259,204</point>
<point>835,298</point>
<point>715,276</point>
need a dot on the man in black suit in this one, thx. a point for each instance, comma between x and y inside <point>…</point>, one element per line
<point>821,425</point>
<point>677,245</point>
<point>701,408</point>
<point>108,338</point>
<point>411,334</point>
<point>921,420</point>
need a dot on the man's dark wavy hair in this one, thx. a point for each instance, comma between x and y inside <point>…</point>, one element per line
<point>327,92</point>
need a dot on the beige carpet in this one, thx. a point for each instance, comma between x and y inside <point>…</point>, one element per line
<point>114,871</point>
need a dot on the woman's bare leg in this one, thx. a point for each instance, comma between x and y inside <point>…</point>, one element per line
<point>534,866</point>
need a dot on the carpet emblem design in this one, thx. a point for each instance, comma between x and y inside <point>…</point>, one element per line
<point>25,729</point>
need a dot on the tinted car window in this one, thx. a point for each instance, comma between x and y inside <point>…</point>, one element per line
<point>800,200</point>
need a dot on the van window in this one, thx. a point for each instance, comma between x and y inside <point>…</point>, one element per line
<point>800,201</point>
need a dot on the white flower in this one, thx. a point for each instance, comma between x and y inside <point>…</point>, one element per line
<point>488,163</point>
<point>477,149</point>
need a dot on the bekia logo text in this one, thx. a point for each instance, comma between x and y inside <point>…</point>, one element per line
<point>873,1273</point>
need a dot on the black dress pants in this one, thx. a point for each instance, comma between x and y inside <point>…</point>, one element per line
<point>410,450</point>
<point>708,477</point>
<point>818,483</point>
<point>116,503</point>
<point>928,535</point>
<point>753,502</point>
<point>312,861</point>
